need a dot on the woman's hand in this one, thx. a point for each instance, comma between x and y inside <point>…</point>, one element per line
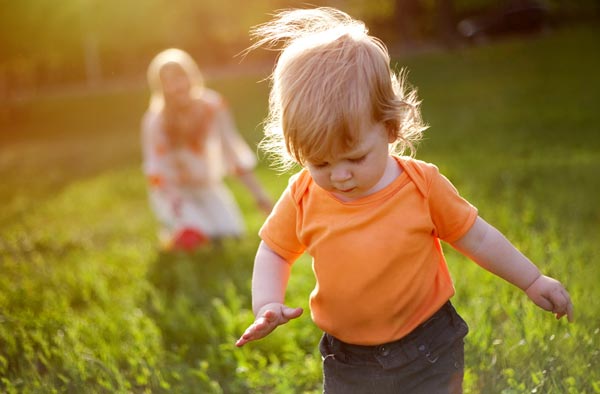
<point>268,318</point>
<point>265,204</point>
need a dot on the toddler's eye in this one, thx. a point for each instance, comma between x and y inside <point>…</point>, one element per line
<point>358,159</point>
<point>320,165</point>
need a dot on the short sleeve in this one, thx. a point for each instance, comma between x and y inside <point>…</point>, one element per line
<point>279,230</point>
<point>452,215</point>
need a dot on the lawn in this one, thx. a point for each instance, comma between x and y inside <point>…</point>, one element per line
<point>89,304</point>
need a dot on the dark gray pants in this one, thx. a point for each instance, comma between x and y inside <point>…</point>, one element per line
<point>429,360</point>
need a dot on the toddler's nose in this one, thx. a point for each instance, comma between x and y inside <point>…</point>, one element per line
<point>340,174</point>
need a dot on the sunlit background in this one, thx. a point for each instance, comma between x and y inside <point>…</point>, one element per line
<point>90,304</point>
<point>46,43</point>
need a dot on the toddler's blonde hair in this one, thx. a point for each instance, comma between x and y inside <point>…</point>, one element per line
<point>331,78</point>
<point>187,64</point>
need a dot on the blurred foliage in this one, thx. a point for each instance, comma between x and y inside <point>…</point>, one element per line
<point>46,43</point>
<point>57,39</point>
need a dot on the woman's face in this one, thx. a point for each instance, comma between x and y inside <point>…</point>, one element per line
<point>176,84</point>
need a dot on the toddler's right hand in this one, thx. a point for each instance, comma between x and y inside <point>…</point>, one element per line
<point>267,319</point>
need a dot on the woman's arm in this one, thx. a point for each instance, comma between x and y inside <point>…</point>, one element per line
<point>485,245</point>
<point>249,179</point>
<point>269,282</point>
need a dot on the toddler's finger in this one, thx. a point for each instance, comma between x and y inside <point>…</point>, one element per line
<point>562,305</point>
<point>244,339</point>
<point>570,310</point>
<point>292,313</point>
<point>269,316</point>
<point>544,303</point>
<point>253,333</point>
<point>571,314</point>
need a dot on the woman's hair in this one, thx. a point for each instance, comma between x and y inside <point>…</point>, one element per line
<point>330,76</point>
<point>176,56</point>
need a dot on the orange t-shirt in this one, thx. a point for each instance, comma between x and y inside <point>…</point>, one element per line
<point>379,266</point>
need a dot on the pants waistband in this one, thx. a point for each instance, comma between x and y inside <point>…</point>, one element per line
<point>408,343</point>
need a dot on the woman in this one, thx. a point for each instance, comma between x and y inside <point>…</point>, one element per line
<point>190,143</point>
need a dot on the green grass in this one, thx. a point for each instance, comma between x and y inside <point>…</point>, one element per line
<point>88,304</point>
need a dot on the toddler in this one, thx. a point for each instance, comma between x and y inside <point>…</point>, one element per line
<point>371,218</point>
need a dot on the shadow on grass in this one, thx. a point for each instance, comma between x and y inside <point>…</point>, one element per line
<point>202,273</point>
<point>199,296</point>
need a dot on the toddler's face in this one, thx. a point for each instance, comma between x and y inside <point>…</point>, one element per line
<point>360,171</point>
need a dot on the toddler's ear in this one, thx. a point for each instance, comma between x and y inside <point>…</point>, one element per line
<point>392,130</point>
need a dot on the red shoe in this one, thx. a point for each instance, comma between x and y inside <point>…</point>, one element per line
<point>189,239</point>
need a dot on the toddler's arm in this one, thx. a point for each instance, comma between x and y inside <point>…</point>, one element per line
<point>269,281</point>
<point>485,245</point>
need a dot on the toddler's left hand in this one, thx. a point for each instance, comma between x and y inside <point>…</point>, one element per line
<point>550,294</point>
